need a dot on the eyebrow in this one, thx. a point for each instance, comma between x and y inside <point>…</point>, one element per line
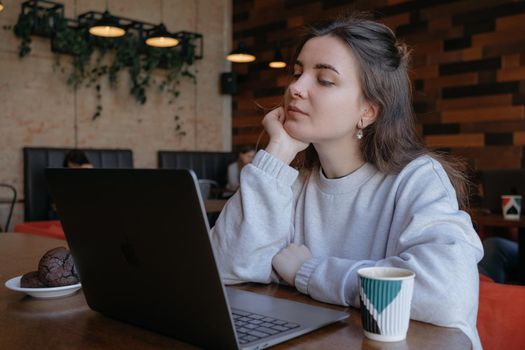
<point>318,66</point>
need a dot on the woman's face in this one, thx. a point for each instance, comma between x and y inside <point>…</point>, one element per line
<point>324,102</point>
<point>246,157</point>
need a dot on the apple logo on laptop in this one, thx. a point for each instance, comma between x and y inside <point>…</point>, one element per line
<point>128,250</point>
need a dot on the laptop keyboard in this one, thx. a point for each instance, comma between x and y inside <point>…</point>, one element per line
<point>251,327</point>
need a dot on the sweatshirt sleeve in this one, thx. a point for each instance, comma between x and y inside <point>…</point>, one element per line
<point>429,236</point>
<point>256,223</point>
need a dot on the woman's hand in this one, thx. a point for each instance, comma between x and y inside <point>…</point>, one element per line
<point>289,260</point>
<point>281,144</point>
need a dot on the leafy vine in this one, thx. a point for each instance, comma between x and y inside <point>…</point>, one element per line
<point>126,53</point>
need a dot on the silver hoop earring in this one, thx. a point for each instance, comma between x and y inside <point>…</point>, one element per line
<point>359,134</point>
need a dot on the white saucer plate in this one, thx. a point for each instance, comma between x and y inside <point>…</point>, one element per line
<point>43,293</point>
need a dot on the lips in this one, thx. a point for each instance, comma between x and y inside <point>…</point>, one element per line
<point>294,109</point>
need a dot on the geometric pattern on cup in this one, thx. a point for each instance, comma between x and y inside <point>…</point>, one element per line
<point>388,317</point>
<point>369,322</point>
<point>511,206</point>
<point>380,293</point>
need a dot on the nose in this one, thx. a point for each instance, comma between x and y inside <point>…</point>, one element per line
<point>297,89</point>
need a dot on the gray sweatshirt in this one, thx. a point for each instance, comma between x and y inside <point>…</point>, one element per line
<point>368,218</point>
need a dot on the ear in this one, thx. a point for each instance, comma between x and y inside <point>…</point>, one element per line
<point>369,115</point>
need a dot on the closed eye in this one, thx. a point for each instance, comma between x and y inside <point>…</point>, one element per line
<point>325,82</point>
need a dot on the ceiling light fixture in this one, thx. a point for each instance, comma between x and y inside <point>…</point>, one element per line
<point>241,55</point>
<point>159,35</point>
<point>46,14</point>
<point>278,61</point>
<point>108,26</point>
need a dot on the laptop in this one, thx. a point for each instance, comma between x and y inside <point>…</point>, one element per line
<point>140,240</point>
<point>496,183</point>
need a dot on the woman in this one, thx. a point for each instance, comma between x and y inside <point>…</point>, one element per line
<point>246,154</point>
<point>367,193</point>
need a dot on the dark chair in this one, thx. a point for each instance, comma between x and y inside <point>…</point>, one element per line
<point>11,206</point>
<point>206,165</point>
<point>207,188</point>
<point>211,169</point>
<point>37,200</point>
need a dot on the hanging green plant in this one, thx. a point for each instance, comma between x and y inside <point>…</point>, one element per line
<point>125,53</point>
<point>23,29</point>
<point>179,124</point>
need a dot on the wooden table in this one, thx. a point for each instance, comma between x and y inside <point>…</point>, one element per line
<point>68,323</point>
<point>483,220</point>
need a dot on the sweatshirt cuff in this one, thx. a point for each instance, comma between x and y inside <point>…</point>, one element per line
<point>275,167</point>
<point>302,277</point>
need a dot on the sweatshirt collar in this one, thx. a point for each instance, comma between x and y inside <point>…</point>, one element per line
<point>345,184</point>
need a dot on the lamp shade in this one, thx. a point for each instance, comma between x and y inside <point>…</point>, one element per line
<point>160,37</point>
<point>278,61</point>
<point>240,55</point>
<point>108,27</point>
<point>1,6</point>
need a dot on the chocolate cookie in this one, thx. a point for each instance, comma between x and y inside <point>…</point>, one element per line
<point>56,268</point>
<point>31,280</point>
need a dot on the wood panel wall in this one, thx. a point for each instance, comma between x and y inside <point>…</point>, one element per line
<point>468,69</point>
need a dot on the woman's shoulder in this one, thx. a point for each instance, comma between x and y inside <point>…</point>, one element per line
<point>426,173</point>
<point>424,164</point>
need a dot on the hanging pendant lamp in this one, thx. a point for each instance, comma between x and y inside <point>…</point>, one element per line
<point>160,37</point>
<point>108,26</point>
<point>240,55</point>
<point>278,61</point>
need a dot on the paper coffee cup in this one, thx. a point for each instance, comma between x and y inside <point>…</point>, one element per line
<point>386,295</point>
<point>511,207</point>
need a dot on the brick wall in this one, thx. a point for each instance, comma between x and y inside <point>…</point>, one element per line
<point>468,69</point>
<point>38,108</point>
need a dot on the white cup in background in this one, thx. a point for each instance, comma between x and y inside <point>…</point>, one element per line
<point>511,207</point>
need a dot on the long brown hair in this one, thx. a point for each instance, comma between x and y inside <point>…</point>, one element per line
<point>391,142</point>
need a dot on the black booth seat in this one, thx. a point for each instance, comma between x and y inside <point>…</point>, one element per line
<point>206,165</point>
<point>37,200</point>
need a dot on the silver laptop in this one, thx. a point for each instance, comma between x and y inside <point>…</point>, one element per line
<point>140,240</point>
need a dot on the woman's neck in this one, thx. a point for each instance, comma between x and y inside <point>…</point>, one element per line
<point>339,160</point>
